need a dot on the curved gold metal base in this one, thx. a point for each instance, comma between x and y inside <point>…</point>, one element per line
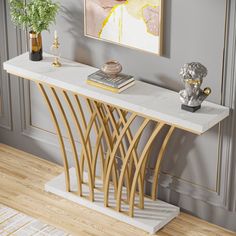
<point>117,145</point>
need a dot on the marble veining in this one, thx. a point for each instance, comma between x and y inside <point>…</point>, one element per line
<point>143,98</point>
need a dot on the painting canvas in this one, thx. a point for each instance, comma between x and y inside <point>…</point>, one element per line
<point>133,23</point>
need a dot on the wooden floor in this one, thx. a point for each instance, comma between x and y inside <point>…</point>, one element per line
<point>22,178</point>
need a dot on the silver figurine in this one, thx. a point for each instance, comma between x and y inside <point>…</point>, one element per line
<point>192,96</point>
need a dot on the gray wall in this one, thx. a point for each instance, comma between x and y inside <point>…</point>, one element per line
<point>198,173</point>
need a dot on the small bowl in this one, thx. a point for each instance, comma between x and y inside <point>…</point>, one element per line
<point>112,68</point>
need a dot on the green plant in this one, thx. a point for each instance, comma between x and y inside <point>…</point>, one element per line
<point>37,15</point>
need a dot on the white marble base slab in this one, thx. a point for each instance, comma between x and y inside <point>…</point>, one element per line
<point>154,216</point>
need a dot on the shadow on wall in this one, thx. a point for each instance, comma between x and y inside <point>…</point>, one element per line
<point>174,196</point>
<point>74,16</point>
<point>163,81</point>
<point>180,139</point>
<point>171,159</point>
<point>167,28</point>
<point>75,20</point>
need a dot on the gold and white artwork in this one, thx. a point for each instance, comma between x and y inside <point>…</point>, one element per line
<point>133,23</point>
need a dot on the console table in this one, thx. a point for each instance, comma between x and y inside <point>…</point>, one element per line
<point>119,190</point>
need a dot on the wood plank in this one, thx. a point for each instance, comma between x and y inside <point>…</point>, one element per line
<point>22,178</point>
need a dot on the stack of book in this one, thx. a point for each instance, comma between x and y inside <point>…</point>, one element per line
<point>115,84</point>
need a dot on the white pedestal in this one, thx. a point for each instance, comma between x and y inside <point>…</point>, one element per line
<point>154,216</point>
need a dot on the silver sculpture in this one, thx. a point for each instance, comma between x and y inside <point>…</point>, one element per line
<point>192,96</point>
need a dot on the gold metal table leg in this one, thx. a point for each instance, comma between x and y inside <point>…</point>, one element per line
<point>114,137</point>
<point>57,128</point>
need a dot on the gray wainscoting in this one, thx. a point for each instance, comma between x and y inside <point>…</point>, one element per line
<point>198,173</point>
<point>5,107</point>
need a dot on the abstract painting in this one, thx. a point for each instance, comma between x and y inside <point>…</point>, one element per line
<point>133,23</point>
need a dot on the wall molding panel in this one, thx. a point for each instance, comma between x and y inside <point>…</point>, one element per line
<point>223,197</point>
<point>229,99</point>
<point>5,106</point>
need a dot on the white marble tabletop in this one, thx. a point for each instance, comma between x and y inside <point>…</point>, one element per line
<point>143,98</point>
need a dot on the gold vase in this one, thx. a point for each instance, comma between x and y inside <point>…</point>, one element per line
<point>36,49</point>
